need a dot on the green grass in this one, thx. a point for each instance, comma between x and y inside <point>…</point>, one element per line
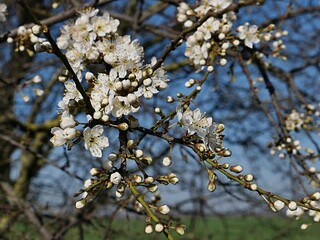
<point>210,228</point>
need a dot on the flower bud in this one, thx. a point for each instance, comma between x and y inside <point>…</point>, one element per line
<point>253,187</point>
<point>148,229</point>
<point>173,179</point>
<point>146,160</point>
<point>164,209</point>
<point>211,185</point>
<point>94,171</point>
<point>180,229</point>
<point>137,178</point>
<point>159,227</point>
<point>304,226</point>
<point>170,99</point>
<point>292,206</point>
<point>315,196</point>
<point>113,157</point>
<point>123,126</point>
<point>88,183</point>
<point>107,165</point>
<point>166,161</point>
<point>80,204</point>
<point>210,69</point>
<point>119,194</point>
<point>149,180</point>
<point>236,169</point>
<point>138,153</point>
<point>278,205</point>
<point>152,188</point>
<point>97,115</point>
<point>248,177</point>
<point>220,128</point>
<point>115,178</point>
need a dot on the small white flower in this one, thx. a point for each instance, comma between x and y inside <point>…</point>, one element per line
<point>248,34</point>
<point>94,142</point>
<point>115,178</point>
<point>58,138</point>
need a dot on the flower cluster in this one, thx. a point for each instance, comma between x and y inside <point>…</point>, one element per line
<point>196,123</point>
<point>93,39</point>
<point>214,37</point>
<point>312,201</point>
<point>307,119</point>
<point>201,46</point>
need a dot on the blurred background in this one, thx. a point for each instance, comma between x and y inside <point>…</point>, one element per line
<point>38,181</point>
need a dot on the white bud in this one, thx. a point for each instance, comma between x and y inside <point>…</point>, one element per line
<point>105,118</point>
<point>89,76</point>
<point>152,188</point>
<point>223,61</point>
<point>164,209</point>
<point>69,133</point>
<point>97,115</point>
<point>147,82</point>
<point>138,153</point>
<point>236,42</point>
<point>36,29</point>
<point>278,205</point>
<point>113,157</point>
<point>149,180</point>
<point>115,178</point>
<point>36,79</point>
<point>80,204</point>
<point>94,171</point>
<point>210,69</point>
<point>118,86</point>
<point>159,227</point>
<point>148,229</point>
<point>166,161</point>
<point>157,110</point>
<point>87,183</point>
<point>221,36</point>
<point>107,165</point>
<point>236,169</point>
<point>253,187</point>
<point>188,23</point>
<point>180,229</point>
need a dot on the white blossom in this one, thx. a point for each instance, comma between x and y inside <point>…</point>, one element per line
<point>94,142</point>
<point>248,34</point>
